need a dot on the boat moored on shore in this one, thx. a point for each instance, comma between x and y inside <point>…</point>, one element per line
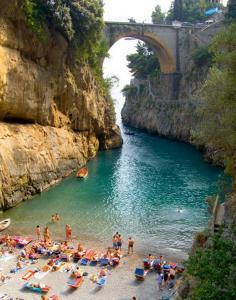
<point>82,173</point>
<point>4,224</point>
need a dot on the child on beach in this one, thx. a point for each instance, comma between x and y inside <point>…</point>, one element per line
<point>38,232</point>
<point>130,245</point>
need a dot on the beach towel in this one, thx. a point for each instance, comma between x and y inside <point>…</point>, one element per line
<point>16,269</point>
<point>28,275</point>
<point>104,261</point>
<point>42,288</point>
<point>102,281</point>
<point>41,274</point>
<point>75,282</point>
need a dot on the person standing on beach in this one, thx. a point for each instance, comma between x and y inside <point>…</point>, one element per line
<point>114,242</point>
<point>130,245</point>
<point>68,232</point>
<point>38,232</point>
<point>160,280</point>
<point>119,242</point>
<point>46,235</point>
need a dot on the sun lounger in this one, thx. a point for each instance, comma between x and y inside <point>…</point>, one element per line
<point>75,282</point>
<point>103,261</point>
<point>93,263</point>
<point>28,275</point>
<point>58,265</point>
<point>84,261</point>
<point>146,264</point>
<point>102,281</point>
<point>140,273</point>
<point>66,255</point>
<point>44,271</point>
<point>34,256</point>
<point>166,267</point>
<point>157,264</point>
<point>41,288</point>
<point>22,241</point>
<point>90,254</point>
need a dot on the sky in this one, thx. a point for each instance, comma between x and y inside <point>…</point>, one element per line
<point>140,10</point>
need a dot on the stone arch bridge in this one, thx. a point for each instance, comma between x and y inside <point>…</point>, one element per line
<point>170,43</point>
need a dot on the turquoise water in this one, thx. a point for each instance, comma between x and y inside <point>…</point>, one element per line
<point>136,190</point>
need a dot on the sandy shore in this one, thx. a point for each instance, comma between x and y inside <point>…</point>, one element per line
<point>121,283</point>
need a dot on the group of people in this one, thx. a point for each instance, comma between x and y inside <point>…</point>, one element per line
<point>46,232</point>
<point>117,243</point>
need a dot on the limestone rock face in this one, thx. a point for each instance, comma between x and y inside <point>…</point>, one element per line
<point>32,157</point>
<point>42,83</point>
<point>165,117</point>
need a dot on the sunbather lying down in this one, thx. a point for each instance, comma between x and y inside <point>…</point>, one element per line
<point>37,285</point>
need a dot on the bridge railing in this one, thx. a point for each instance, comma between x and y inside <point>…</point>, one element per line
<point>162,24</point>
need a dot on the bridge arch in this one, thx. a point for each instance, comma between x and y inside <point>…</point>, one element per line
<point>165,53</point>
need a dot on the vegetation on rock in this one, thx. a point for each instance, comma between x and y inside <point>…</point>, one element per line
<point>157,15</point>
<point>231,13</point>
<point>211,269</point>
<point>218,110</point>
<point>80,22</point>
<point>143,65</point>
<point>189,10</point>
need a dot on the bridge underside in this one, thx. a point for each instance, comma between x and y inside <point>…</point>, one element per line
<point>162,40</point>
<point>167,61</point>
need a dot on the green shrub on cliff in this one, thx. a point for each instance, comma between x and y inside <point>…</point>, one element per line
<point>80,22</point>
<point>144,63</point>
<point>202,57</point>
<point>36,12</point>
<point>213,270</point>
<point>190,10</point>
<point>218,110</point>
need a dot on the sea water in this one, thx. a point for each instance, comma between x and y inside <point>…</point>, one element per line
<point>152,189</point>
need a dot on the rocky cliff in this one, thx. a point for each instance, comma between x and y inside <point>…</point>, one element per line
<point>53,116</point>
<point>170,118</point>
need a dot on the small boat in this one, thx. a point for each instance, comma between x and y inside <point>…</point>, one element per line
<point>128,133</point>
<point>82,173</point>
<point>4,224</point>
